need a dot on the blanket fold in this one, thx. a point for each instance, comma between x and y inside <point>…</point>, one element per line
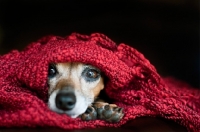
<point>133,83</point>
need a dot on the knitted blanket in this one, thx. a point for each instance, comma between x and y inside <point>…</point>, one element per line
<point>133,84</point>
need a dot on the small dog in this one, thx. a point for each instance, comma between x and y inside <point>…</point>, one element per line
<point>74,89</point>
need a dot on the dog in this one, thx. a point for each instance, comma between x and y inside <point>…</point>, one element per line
<point>74,89</point>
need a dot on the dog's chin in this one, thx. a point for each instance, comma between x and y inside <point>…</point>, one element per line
<point>80,106</point>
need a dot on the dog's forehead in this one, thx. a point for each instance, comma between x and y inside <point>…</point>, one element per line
<point>69,67</point>
<point>63,65</point>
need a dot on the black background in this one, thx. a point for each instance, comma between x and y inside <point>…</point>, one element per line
<point>165,31</point>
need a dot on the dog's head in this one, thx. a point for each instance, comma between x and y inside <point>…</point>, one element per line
<point>73,87</point>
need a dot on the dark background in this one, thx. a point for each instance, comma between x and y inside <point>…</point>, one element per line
<point>165,31</point>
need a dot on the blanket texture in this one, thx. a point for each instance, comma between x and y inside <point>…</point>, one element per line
<point>133,84</point>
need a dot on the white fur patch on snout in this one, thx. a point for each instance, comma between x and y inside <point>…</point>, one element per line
<point>79,108</point>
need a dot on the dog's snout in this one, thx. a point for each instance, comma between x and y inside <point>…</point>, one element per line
<point>65,100</point>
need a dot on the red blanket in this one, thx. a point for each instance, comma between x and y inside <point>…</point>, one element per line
<point>133,84</point>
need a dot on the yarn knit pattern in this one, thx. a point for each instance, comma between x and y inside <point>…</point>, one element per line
<point>133,83</point>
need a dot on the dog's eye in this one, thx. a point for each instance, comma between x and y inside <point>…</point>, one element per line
<point>52,71</point>
<point>92,73</point>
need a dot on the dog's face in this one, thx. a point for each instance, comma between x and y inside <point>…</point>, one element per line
<point>73,87</point>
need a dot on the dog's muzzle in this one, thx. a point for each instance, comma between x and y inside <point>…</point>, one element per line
<point>65,99</point>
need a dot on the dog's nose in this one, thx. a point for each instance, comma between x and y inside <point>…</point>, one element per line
<point>65,100</point>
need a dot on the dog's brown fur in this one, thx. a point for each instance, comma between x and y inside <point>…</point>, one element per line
<point>70,75</point>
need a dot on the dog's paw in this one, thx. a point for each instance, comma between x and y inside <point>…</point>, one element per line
<point>109,112</point>
<point>90,114</point>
